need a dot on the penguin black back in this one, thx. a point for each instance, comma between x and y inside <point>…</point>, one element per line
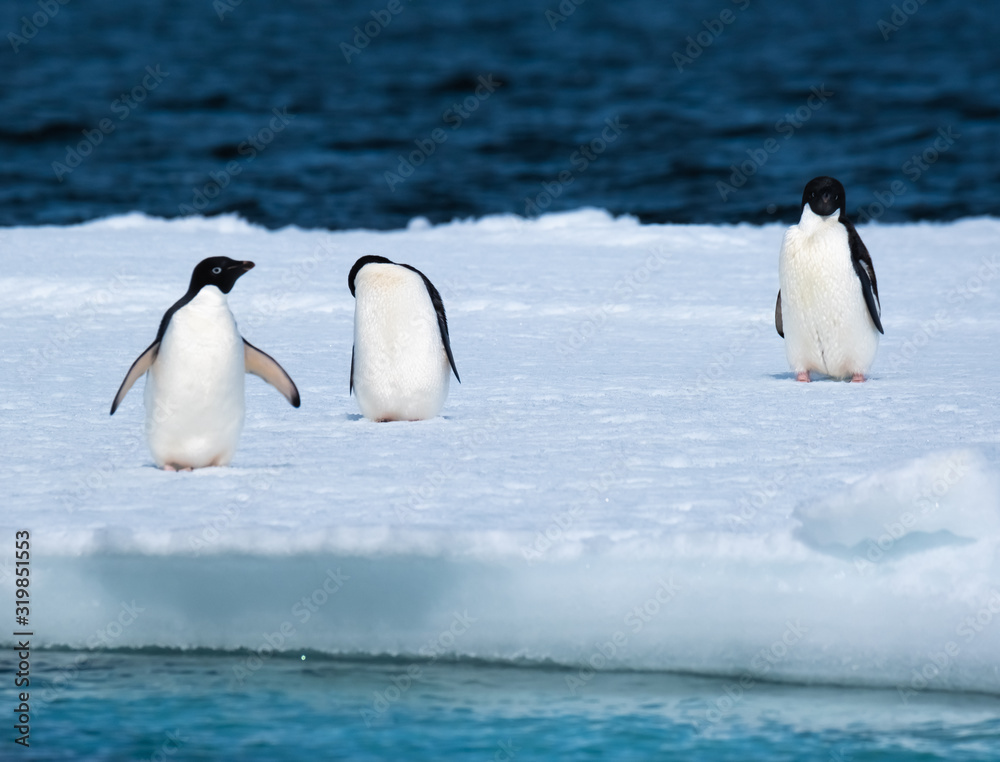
<point>432,292</point>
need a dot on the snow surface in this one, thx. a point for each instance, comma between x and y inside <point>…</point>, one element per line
<point>628,475</point>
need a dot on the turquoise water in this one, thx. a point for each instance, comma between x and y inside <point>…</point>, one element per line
<point>126,705</point>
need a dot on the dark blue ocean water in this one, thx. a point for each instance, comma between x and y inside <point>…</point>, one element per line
<point>124,705</point>
<point>366,113</point>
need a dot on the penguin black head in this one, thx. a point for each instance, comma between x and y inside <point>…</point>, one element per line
<point>368,259</point>
<point>221,272</point>
<point>825,195</point>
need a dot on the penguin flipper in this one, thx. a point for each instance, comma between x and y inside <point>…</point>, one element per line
<point>865,270</point>
<point>871,296</point>
<point>142,363</point>
<point>351,390</point>
<point>266,367</point>
<point>777,316</point>
<point>447,344</point>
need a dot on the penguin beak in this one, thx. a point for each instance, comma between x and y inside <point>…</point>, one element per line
<point>244,266</point>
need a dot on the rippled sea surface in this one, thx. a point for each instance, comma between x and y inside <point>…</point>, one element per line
<point>149,705</point>
<point>363,113</point>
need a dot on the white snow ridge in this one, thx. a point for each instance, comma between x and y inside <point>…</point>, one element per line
<point>943,499</point>
<point>627,477</point>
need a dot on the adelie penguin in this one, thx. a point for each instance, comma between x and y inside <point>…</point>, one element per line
<point>401,361</point>
<point>828,309</point>
<point>195,369</point>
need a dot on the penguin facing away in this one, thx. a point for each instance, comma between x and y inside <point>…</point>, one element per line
<point>401,360</point>
<point>195,369</point>
<point>828,309</point>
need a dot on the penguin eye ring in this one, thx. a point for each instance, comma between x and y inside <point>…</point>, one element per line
<point>216,270</point>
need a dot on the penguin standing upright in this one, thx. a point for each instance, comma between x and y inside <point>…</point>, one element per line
<point>401,360</point>
<point>195,368</point>
<point>828,309</point>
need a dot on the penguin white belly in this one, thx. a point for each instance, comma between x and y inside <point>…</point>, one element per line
<point>825,319</point>
<point>401,370</point>
<point>195,388</point>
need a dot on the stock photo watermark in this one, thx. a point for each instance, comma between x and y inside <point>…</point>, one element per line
<point>913,168</point>
<point>302,611</point>
<point>421,496</point>
<point>224,7</point>
<point>506,751</point>
<point>750,504</point>
<point>122,107</point>
<point>104,637</point>
<point>762,663</point>
<point>559,524</point>
<point>725,361</point>
<point>901,13</point>
<point>563,11</point>
<point>31,25</point>
<point>249,149</point>
<point>879,549</point>
<point>433,650</point>
<point>173,743</point>
<point>100,475</point>
<point>957,297</point>
<point>635,620</point>
<point>714,27</point>
<point>454,116</point>
<point>938,661</point>
<point>293,279</point>
<point>69,331</point>
<point>580,161</point>
<point>787,126</point>
<point>214,527</point>
<point>625,288</point>
<point>369,30</point>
